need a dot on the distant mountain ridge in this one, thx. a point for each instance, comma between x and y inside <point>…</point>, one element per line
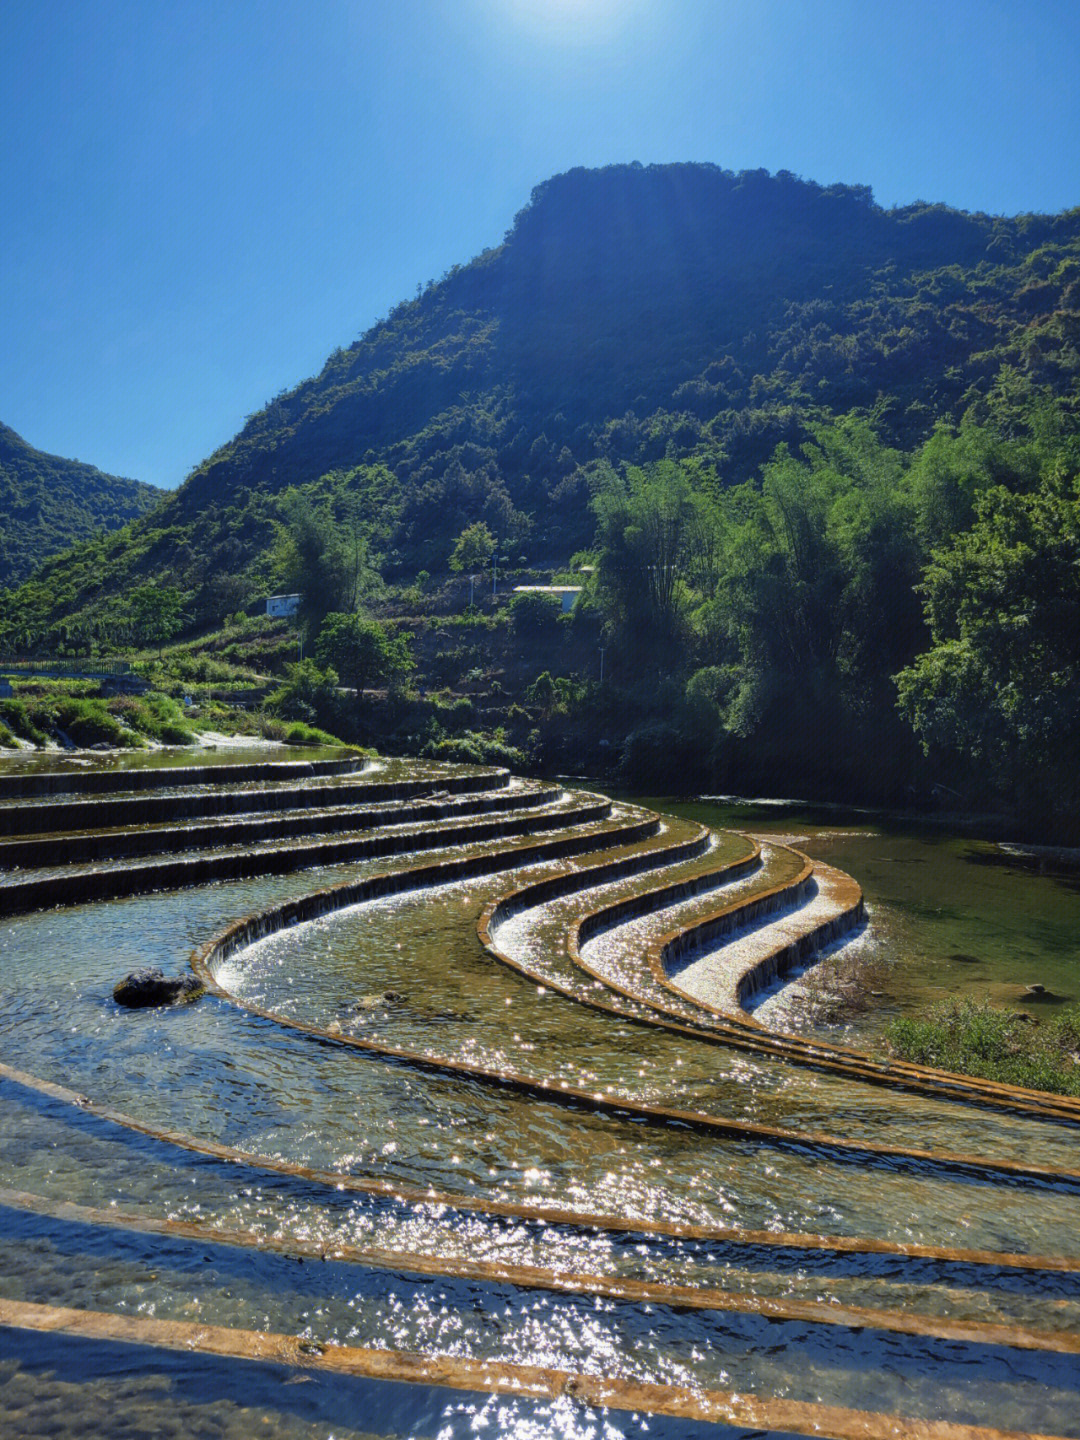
<point>630,313</point>
<point>48,504</point>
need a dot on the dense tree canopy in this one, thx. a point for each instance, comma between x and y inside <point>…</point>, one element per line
<point>816,444</point>
<point>47,503</point>
<point>1000,683</point>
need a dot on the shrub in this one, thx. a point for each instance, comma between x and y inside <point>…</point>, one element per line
<point>301,734</point>
<point>306,694</point>
<point>88,722</point>
<point>533,613</point>
<point>476,747</point>
<point>18,719</point>
<point>994,1044</point>
<point>657,754</point>
<point>156,715</point>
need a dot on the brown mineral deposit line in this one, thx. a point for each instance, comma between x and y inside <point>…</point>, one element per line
<point>412,1195</point>
<point>491,1377</point>
<point>534,1277</point>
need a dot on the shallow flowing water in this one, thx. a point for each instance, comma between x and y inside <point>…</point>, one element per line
<point>383,1135</point>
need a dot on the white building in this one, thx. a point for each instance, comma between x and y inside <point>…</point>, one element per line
<point>566,594</point>
<point>283,605</point>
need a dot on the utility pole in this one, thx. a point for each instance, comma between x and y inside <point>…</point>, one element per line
<point>602,648</point>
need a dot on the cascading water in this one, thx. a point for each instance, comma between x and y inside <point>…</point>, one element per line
<point>474,1133</point>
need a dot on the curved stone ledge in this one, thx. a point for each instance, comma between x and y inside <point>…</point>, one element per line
<point>124,881</point>
<point>84,847</point>
<point>622,911</point>
<point>375,887</point>
<point>782,957</point>
<point>514,902</point>
<point>742,1031</point>
<point>495,1377</point>
<point>606,917</point>
<point>624,1289</point>
<point>544,1214</point>
<point>540,892</point>
<point>22,819</point>
<point>779,962</point>
<point>97,782</point>
<point>666,952</point>
<point>319,903</point>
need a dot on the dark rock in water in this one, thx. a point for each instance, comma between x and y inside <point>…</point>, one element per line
<point>962,959</point>
<point>377,1002</point>
<point>151,986</point>
<point>1040,992</point>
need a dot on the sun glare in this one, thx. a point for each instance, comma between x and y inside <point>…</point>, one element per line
<point>570,22</point>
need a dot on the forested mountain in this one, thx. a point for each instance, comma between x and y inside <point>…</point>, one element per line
<point>825,455</point>
<point>47,504</point>
<point>630,313</point>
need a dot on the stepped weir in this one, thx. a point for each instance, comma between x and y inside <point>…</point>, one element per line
<point>474,1130</point>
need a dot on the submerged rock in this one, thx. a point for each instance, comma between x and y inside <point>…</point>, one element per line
<point>381,1001</point>
<point>151,986</point>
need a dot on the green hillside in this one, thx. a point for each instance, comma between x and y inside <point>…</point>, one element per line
<point>47,504</point>
<point>632,313</point>
<point>823,455</point>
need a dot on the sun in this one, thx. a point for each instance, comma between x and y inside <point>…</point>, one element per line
<point>570,22</point>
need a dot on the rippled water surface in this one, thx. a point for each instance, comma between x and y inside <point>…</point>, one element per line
<point>394,1192</point>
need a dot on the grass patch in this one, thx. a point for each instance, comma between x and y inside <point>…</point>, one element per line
<point>301,734</point>
<point>476,747</point>
<point>994,1044</point>
<point>155,715</point>
<point>16,717</point>
<point>88,722</point>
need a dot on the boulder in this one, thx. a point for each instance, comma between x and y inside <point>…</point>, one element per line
<point>151,986</point>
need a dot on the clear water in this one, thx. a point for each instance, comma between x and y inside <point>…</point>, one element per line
<point>410,974</point>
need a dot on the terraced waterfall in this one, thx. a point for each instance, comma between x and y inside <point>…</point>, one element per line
<point>473,1133</point>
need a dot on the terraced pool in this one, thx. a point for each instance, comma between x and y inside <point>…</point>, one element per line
<point>499,1117</point>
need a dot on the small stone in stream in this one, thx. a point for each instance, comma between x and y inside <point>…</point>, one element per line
<point>1037,993</point>
<point>377,1002</point>
<point>151,986</point>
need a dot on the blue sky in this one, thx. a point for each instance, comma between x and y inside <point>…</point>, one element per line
<point>200,199</point>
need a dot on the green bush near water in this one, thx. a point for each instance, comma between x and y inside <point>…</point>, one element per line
<point>994,1044</point>
<point>88,722</point>
<point>476,748</point>
<point>16,718</point>
<point>155,715</point>
<point>301,734</point>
